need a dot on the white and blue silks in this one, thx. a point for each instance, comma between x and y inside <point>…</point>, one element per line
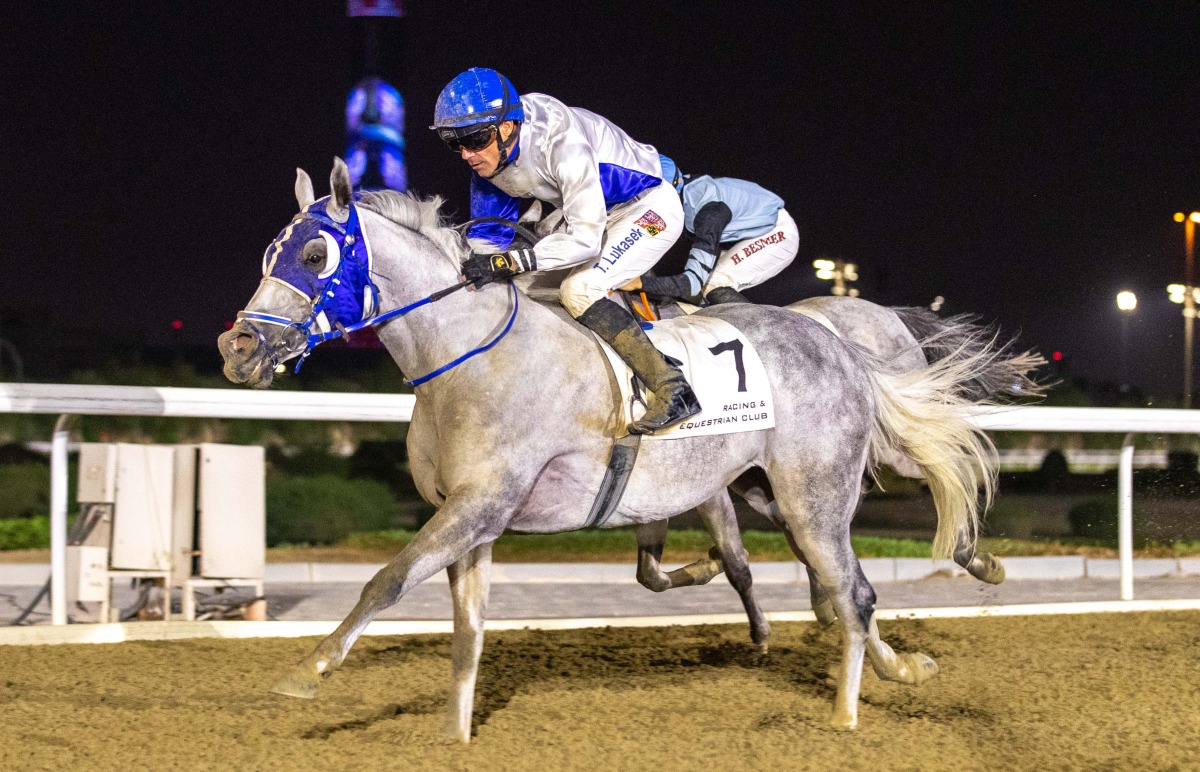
<point>574,159</point>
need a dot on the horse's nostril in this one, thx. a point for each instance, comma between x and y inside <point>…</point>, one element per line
<point>241,343</point>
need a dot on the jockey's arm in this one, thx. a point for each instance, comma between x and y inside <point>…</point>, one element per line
<point>708,225</point>
<point>583,210</point>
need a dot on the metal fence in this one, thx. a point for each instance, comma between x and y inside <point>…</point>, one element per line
<point>67,401</point>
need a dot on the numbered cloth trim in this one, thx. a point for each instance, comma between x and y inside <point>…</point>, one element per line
<point>723,369</point>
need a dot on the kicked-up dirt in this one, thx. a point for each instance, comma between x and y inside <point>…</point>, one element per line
<point>1104,691</point>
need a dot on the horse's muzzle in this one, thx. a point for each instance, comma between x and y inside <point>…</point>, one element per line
<point>245,358</point>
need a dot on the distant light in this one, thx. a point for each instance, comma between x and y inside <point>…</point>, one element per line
<point>229,325</point>
<point>1179,217</point>
<point>825,274</point>
<point>1126,300</point>
<point>1057,356</point>
<point>823,265</point>
<point>177,325</point>
<point>937,303</point>
<point>1194,217</point>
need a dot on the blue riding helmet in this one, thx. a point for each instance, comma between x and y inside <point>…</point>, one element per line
<point>478,96</point>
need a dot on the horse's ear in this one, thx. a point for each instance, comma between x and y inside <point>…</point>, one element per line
<point>339,185</point>
<point>304,189</point>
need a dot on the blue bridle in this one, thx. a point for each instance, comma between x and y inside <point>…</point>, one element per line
<point>346,290</point>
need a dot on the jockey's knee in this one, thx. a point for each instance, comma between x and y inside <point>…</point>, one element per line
<point>578,294</point>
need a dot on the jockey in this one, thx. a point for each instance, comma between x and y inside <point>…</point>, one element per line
<point>619,217</point>
<point>760,238</point>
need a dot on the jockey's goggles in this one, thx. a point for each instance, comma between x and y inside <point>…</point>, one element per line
<point>473,141</point>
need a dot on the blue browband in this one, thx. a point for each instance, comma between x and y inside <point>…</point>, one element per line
<point>338,291</point>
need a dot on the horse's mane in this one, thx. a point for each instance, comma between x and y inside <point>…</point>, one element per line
<point>422,215</point>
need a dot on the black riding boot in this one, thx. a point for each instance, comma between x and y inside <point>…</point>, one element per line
<point>725,295</point>
<point>672,398</point>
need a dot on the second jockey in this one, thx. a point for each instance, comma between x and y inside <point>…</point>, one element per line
<point>743,236</point>
<point>619,217</point>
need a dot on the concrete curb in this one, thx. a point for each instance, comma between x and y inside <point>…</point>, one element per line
<point>877,570</point>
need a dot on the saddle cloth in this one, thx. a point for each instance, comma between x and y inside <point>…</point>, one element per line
<point>723,369</point>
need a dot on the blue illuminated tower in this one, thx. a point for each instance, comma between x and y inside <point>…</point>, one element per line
<point>375,108</point>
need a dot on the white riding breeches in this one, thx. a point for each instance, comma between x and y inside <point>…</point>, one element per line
<point>750,262</point>
<point>639,232</point>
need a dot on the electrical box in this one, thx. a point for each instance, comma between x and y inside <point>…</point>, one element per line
<point>87,574</point>
<point>97,473</point>
<point>141,535</point>
<point>231,505</point>
<point>183,523</point>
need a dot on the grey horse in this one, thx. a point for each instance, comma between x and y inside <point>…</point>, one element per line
<point>911,338</point>
<point>518,437</point>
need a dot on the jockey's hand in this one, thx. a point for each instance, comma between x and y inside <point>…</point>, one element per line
<point>485,269</point>
<point>633,286</point>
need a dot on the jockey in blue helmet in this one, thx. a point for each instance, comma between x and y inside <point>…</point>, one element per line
<point>618,217</point>
<point>742,236</point>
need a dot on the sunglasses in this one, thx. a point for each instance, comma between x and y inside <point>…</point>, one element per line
<point>474,142</point>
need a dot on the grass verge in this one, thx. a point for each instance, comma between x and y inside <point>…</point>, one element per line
<point>619,546</point>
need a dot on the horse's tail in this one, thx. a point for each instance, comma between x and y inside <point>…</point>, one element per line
<point>997,373</point>
<point>923,416</point>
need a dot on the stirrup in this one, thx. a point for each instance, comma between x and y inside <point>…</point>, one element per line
<point>683,405</point>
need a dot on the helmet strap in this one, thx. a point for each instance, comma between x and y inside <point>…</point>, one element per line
<point>502,144</point>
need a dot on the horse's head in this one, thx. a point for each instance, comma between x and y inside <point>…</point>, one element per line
<point>304,289</point>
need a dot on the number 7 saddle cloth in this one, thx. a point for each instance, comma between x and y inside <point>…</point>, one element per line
<point>722,367</point>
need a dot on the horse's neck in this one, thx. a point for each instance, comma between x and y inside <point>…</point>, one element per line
<point>408,267</point>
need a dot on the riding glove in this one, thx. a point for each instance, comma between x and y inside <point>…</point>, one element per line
<point>485,269</point>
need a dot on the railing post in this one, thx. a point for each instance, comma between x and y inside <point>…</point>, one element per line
<point>1125,516</point>
<point>58,520</point>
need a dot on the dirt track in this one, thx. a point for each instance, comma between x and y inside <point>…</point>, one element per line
<point>1102,691</point>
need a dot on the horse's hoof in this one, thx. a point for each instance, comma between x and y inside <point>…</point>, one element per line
<point>986,567</point>
<point>298,683</point>
<point>920,668</point>
<point>453,734</point>
<point>843,721</point>
<point>825,613</point>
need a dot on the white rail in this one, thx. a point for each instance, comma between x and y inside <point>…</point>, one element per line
<point>70,400</point>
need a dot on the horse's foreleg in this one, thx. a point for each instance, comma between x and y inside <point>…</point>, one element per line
<point>470,580</point>
<point>721,521</point>
<point>454,530</point>
<point>754,487</point>
<point>650,540</point>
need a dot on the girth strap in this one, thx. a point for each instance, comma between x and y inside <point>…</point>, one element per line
<point>620,467</point>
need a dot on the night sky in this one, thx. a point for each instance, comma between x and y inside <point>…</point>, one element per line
<point>1023,160</point>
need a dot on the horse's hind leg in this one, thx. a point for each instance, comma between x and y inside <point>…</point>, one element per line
<point>984,566</point>
<point>837,570</point>
<point>470,580</point>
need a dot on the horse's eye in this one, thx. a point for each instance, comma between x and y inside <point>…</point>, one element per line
<point>314,254</point>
